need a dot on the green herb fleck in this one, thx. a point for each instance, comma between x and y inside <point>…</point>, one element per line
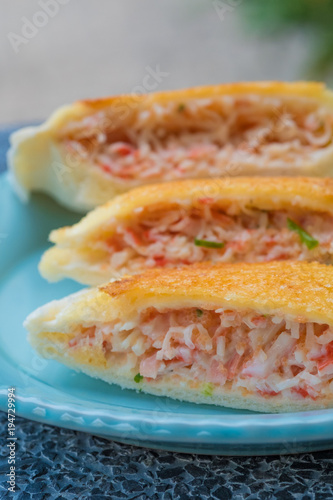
<point>305,237</point>
<point>138,378</point>
<point>208,244</point>
<point>181,108</point>
<point>208,389</point>
<point>199,313</point>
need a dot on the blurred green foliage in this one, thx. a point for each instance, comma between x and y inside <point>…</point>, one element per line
<point>270,17</point>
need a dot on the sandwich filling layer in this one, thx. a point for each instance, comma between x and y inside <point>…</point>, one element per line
<point>215,348</point>
<point>179,236</point>
<point>199,137</point>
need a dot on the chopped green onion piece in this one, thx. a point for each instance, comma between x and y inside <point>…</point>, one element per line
<point>208,244</point>
<point>199,313</point>
<point>208,389</point>
<point>138,378</point>
<point>181,108</point>
<point>305,237</point>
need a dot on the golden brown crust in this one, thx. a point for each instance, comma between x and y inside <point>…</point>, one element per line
<point>298,289</point>
<point>267,193</point>
<point>309,90</point>
<point>315,90</point>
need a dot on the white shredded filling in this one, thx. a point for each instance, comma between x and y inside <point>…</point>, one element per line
<point>266,355</point>
<point>200,137</point>
<point>167,238</point>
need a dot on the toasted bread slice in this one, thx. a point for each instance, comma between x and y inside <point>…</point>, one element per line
<point>176,224</point>
<point>92,150</point>
<point>254,336</point>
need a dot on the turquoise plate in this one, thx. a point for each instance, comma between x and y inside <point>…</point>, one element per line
<point>50,393</point>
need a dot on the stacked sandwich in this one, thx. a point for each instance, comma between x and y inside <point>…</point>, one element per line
<point>209,242</point>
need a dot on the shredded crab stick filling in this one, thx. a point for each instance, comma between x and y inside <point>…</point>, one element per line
<point>200,137</point>
<point>265,355</point>
<point>180,237</point>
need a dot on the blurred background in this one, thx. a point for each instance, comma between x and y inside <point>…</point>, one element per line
<point>55,51</point>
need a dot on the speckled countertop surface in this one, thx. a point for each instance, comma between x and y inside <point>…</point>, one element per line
<point>57,463</point>
<point>53,463</point>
